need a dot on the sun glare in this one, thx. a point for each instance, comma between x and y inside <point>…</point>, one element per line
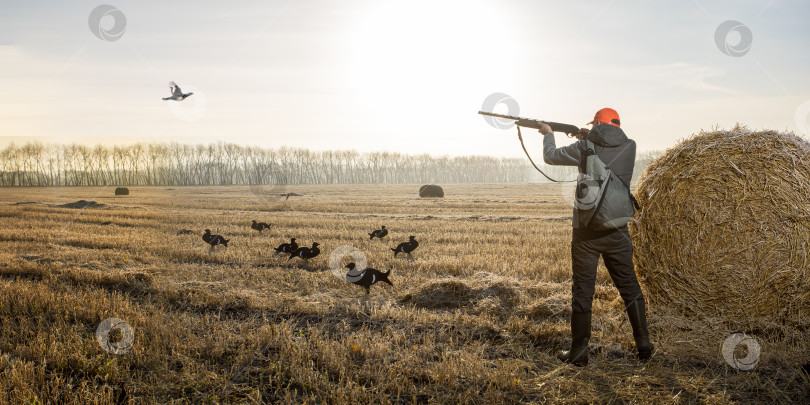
<point>432,56</point>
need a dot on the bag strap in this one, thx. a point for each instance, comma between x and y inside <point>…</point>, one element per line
<point>591,150</point>
<point>585,149</point>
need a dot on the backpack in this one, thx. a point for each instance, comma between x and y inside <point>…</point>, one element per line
<point>602,200</point>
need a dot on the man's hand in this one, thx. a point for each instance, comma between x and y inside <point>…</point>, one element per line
<point>583,132</point>
<point>544,128</point>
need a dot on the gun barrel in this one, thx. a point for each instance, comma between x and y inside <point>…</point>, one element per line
<point>519,121</point>
<point>509,117</point>
<point>532,123</point>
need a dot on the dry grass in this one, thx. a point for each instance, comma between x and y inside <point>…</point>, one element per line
<point>476,317</point>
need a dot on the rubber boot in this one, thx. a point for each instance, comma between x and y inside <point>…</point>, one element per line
<point>636,311</point>
<point>580,336</point>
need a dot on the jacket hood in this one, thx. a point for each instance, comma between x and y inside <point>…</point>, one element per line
<point>607,135</point>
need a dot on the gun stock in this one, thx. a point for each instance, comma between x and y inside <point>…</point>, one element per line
<point>569,129</point>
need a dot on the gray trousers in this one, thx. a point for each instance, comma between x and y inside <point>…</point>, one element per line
<point>616,249</point>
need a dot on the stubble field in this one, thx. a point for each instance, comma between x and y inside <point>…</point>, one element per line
<point>475,317</point>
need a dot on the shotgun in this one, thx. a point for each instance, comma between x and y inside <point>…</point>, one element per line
<point>569,129</point>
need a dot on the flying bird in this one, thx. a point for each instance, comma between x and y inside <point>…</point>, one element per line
<point>305,252</point>
<point>406,247</point>
<point>367,277</point>
<point>177,94</point>
<point>259,226</point>
<point>379,233</point>
<point>287,247</point>
<point>214,240</point>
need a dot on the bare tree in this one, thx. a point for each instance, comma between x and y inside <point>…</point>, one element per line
<point>34,164</point>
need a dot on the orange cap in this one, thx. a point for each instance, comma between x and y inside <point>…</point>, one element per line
<point>607,116</point>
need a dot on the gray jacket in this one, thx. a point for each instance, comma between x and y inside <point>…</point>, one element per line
<point>611,145</point>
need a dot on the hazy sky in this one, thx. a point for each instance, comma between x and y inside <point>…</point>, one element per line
<point>405,76</point>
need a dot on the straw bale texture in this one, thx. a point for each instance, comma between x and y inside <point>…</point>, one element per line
<point>724,231</point>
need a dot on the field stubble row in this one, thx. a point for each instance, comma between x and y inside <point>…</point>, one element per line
<point>474,318</point>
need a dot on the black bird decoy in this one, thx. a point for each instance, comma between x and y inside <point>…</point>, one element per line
<point>379,233</point>
<point>305,252</point>
<point>406,247</point>
<point>287,247</point>
<point>177,94</point>
<point>367,277</point>
<point>259,226</point>
<point>214,240</point>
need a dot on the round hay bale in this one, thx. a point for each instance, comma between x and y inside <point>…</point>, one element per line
<point>724,230</point>
<point>431,190</point>
<point>121,191</point>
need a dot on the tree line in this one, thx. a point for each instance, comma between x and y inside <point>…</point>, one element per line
<point>36,164</point>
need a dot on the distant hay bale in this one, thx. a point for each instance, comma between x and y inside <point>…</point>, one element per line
<point>724,230</point>
<point>431,190</point>
<point>121,191</point>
